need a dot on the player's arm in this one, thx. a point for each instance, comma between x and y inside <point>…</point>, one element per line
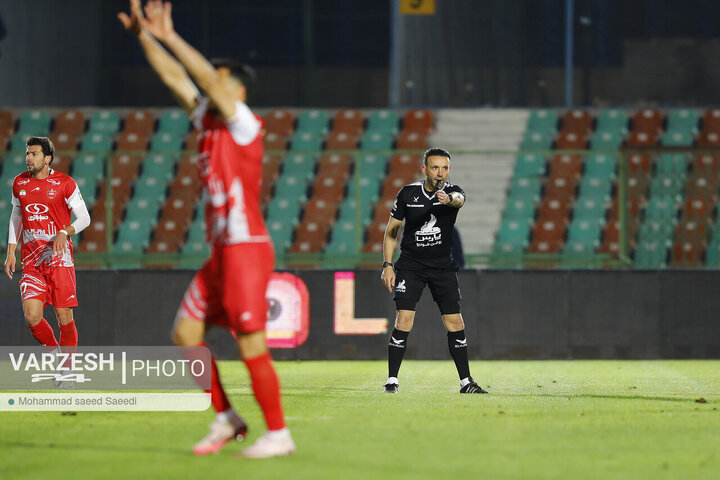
<point>158,21</point>
<point>14,229</point>
<point>389,242</point>
<point>452,199</point>
<point>170,71</point>
<point>82,221</point>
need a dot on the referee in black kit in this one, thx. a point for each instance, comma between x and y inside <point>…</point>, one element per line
<point>429,209</point>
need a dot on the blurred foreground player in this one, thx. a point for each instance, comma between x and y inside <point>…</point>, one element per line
<point>42,203</point>
<point>429,210</point>
<point>229,290</point>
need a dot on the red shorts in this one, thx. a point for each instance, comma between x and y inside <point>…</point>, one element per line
<point>55,286</point>
<point>229,289</point>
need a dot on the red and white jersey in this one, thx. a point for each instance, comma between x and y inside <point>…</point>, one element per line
<point>46,206</point>
<point>230,168</point>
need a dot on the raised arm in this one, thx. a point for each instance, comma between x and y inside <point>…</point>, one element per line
<point>158,22</point>
<point>170,71</point>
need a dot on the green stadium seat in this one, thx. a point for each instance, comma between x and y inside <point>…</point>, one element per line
<point>600,165</point>
<point>174,121</point>
<point>544,120</point>
<point>529,165</point>
<point>104,121</point>
<point>596,187</point>
<point>4,227</point>
<point>98,142</point>
<point>677,138</point>
<point>369,189</point>
<point>306,141</point>
<point>585,231</point>
<point>35,122</point>
<point>14,164</point>
<point>683,119</point>
<point>344,238</point>
<point>525,188</point>
<point>672,164</point>
<point>573,248</point>
<point>612,120</point>
<point>313,121</point>
<point>606,140</point>
<point>371,165</point>
<point>150,188</point>
<point>298,165</point>
<point>142,210</point>
<point>651,255</point>
<point>133,235</point>
<point>654,230</point>
<point>712,255</point>
<point>661,207</point>
<point>166,142</point>
<point>290,187</point>
<point>18,141</point>
<point>383,121</point>
<point>195,247</point>
<point>375,140</point>
<point>88,189</point>
<point>514,232</point>
<point>589,209</point>
<point>89,166</point>
<point>281,233</point>
<point>159,166</point>
<point>663,185</point>
<point>283,210</point>
<point>519,209</point>
<point>537,140</point>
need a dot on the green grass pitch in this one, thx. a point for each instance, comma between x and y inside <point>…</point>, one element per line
<point>551,419</point>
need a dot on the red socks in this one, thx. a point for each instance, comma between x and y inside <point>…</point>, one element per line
<point>44,334</point>
<point>68,335</point>
<point>266,386</point>
<point>218,397</point>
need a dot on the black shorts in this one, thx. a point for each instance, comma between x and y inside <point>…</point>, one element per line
<point>409,285</point>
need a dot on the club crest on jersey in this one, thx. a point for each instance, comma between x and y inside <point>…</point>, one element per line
<point>51,193</point>
<point>429,234</point>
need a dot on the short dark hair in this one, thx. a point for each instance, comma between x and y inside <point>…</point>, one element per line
<point>435,152</point>
<point>47,145</point>
<point>243,72</point>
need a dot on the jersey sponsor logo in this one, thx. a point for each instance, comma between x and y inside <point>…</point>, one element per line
<point>428,235</point>
<point>23,182</point>
<point>400,287</point>
<point>51,193</point>
<point>22,193</point>
<point>36,211</point>
<point>54,182</point>
<point>415,199</point>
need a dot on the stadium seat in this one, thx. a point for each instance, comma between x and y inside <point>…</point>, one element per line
<point>612,120</point>
<point>305,140</point>
<point>275,142</point>
<point>711,120</point>
<point>34,122</point>
<point>131,142</point>
<point>374,140</point>
<point>672,164</point>
<point>281,233</point>
<point>191,141</point>
<point>666,185</point>
<point>700,184</point>
<point>344,238</point>
<point>706,163</point>
<point>348,121</point>
<point>682,119</point>
<point>334,164</point>
<point>94,238</point>
<point>577,121</point>
<point>600,165</point>
<point>299,165</point>
<point>179,210</point>
<point>708,139</point>
<point>186,187</point>
<point>560,187</point>
<point>62,163</point>
<point>588,209</point>
<point>7,123</point>
<point>529,165</point>
<point>320,211</point>
<point>712,255</point>
<point>382,209</point>
<point>687,254</point>
<point>280,122</point>
<point>139,121</point>
<point>150,188</point>
<point>405,165</point>
<point>535,140</point>
<point>411,140</point>
<point>661,207</point>
<point>330,188</point>
<point>89,166</point>
<point>18,141</point>
<point>640,161</point>
<point>566,165</point>
<point>133,235</point>
<point>648,121</point>
<point>544,120</point>
<point>341,140</point>
<point>126,167</point>
<point>606,140</point>
<point>310,237</point>
<point>312,121</point>
<point>283,210</point>
<point>383,121</point>
<point>99,210</point>
<point>142,209</point>
<point>519,209</point>
<point>698,207</point>
<point>642,139</point>
<point>650,255</point>
<point>637,185</point>
<point>175,122</point>
<point>551,208</point>
<point>420,121</point>
<point>71,122</point>
<point>159,166</point>
<point>64,142</point>
<point>585,231</point>
<point>187,165</point>
<point>692,229</point>
<point>105,122</point>
<point>97,142</point>
<point>677,138</point>
<point>526,188</point>
<point>166,142</point>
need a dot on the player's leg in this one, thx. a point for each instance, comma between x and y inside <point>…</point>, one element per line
<point>446,293</point>
<point>244,288</point>
<point>189,331</point>
<point>33,292</point>
<point>408,289</point>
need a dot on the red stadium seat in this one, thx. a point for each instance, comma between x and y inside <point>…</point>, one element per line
<point>649,121</point>
<point>698,207</point>
<point>578,121</point>
<point>633,205</point>
<point>560,186</point>
<point>341,140</point>
<point>310,237</point>
<point>701,184</point>
<point>640,161</point>
<point>706,163</point>
<point>381,211</point>
<point>330,188</point>
<point>126,167</point>
<point>185,186</point>
<point>140,121</point>
<point>62,163</point>
<point>566,166</point>
<point>570,140</point>
<point>411,140</point>
<point>711,120</point>
<point>64,142</point>
<point>70,121</point>
<point>280,122</point>
<point>637,185</point>
<point>132,141</point>
<point>348,121</point>
<point>320,211</point>
<point>334,164</point>
<point>708,139</point>
<point>692,229</point>
<point>642,139</point>
<point>405,164</point>
<point>187,165</point>
<point>275,141</point>
<point>191,140</point>
<point>687,254</point>
<point>418,121</point>
<point>557,209</point>
<point>7,123</point>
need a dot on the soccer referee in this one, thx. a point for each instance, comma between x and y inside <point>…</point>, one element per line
<point>429,210</point>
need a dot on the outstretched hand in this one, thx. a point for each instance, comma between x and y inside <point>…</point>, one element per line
<point>132,22</point>
<point>158,19</point>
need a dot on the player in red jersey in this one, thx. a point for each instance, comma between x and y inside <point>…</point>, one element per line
<point>42,201</point>
<point>229,290</point>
